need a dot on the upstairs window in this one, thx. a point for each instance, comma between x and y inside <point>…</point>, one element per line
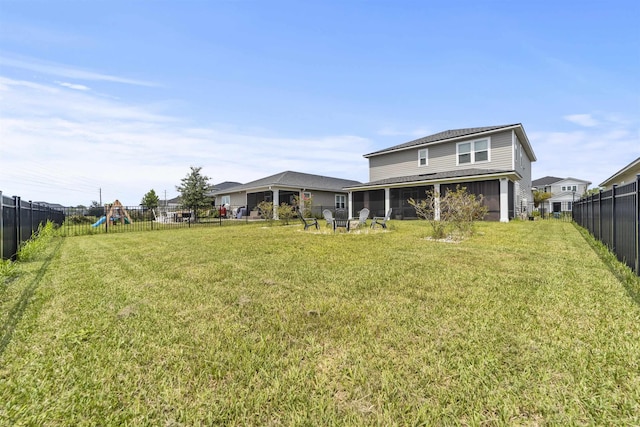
<point>423,157</point>
<point>473,152</point>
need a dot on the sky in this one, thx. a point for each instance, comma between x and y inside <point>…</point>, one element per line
<point>105,100</point>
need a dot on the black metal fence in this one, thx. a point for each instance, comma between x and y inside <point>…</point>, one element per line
<point>19,220</point>
<point>613,217</point>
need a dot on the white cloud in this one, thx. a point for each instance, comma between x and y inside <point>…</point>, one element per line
<point>73,86</point>
<point>585,120</point>
<point>63,146</point>
<point>592,154</point>
<point>66,71</point>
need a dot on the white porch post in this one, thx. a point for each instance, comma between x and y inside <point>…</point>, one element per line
<point>436,203</point>
<point>276,203</point>
<point>387,200</point>
<point>349,203</point>
<point>504,200</point>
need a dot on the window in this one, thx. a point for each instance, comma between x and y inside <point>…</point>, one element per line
<point>225,200</point>
<point>569,206</point>
<point>564,188</point>
<point>306,195</point>
<point>575,188</point>
<point>473,152</point>
<point>341,201</point>
<point>423,157</point>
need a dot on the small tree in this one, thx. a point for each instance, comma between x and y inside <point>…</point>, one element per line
<point>285,213</point>
<point>458,211</point>
<point>539,197</point>
<point>304,205</point>
<point>150,200</point>
<point>266,211</point>
<point>193,190</point>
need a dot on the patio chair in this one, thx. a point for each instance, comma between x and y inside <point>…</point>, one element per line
<point>341,220</point>
<point>364,215</point>
<point>328,216</point>
<point>381,220</point>
<point>309,222</point>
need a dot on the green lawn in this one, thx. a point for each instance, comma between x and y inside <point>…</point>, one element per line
<point>522,324</point>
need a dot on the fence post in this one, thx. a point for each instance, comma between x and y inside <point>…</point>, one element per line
<point>1,227</point>
<point>637,224</point>
<point>613,217</point>
<point>17,207</point>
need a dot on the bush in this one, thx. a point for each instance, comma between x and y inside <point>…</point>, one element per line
<point>452,214</point>
<point>266,211</point>
<point>286,213</point>
<point>32,247</point>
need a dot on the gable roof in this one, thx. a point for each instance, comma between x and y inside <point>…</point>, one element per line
<point>629,168</point>
<point>296,180</point>
<point>547,180</point>
<point>225,185</point>
<point>454,134</point>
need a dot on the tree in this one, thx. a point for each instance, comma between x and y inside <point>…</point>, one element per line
<point>540,197</point>
<point>193,190</point>
<point>150,200</point>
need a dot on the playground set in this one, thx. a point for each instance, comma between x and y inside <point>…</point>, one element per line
<point>117,214</point>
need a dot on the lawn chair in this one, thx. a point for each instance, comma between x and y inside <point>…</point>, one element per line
<point>328,216</point>
<point>381,220</point>
<point>310,222</point>
<point>341,220</point>
<point>364,215</point>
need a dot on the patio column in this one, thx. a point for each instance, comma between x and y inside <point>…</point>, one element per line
<point>504,200</point>
<point>276,203</point>
<point>387,199</point>
<point>436,202</point>
<point>350,204</point>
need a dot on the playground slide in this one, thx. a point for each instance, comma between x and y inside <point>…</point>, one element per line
<point>100,221</point>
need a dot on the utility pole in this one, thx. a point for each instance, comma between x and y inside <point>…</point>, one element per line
<point>100,196</point>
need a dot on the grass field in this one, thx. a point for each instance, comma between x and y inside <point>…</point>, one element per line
<point>522,324</point>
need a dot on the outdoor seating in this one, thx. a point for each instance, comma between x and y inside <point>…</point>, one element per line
<point>381,220</point>
<point>328,216</point>
<point>310,222</point>
<point>341,220</point>
<point>364,215</point>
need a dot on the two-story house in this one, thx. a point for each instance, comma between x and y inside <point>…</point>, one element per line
<point>624,176</point>
<point>494,161</point>
<point>564,191</point>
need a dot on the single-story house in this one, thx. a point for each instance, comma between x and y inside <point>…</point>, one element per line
<point>327,192</point>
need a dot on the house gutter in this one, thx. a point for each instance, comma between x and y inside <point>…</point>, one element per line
<point>511,174</point>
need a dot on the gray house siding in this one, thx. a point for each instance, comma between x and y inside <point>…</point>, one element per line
<point>522,165</point>
<point>441,158</point>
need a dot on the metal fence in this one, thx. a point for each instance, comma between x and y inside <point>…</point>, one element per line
<point>19,220</point>
<point>613,217</point>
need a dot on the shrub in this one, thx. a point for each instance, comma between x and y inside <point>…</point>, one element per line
<point>453,213</point>
<point>32,247</point>
<point>286,213</point>
<point>266,211</point>
<point>304,204</point>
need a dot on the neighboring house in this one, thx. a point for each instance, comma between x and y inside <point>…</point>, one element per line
<point>625,175</point>
<point>226,199</point>
<point>283,187</point>
<point>55,206</point>
<point>564,191</point>
<point>494,161</point>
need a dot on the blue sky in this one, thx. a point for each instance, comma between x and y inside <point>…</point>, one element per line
<point>125,96</point>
